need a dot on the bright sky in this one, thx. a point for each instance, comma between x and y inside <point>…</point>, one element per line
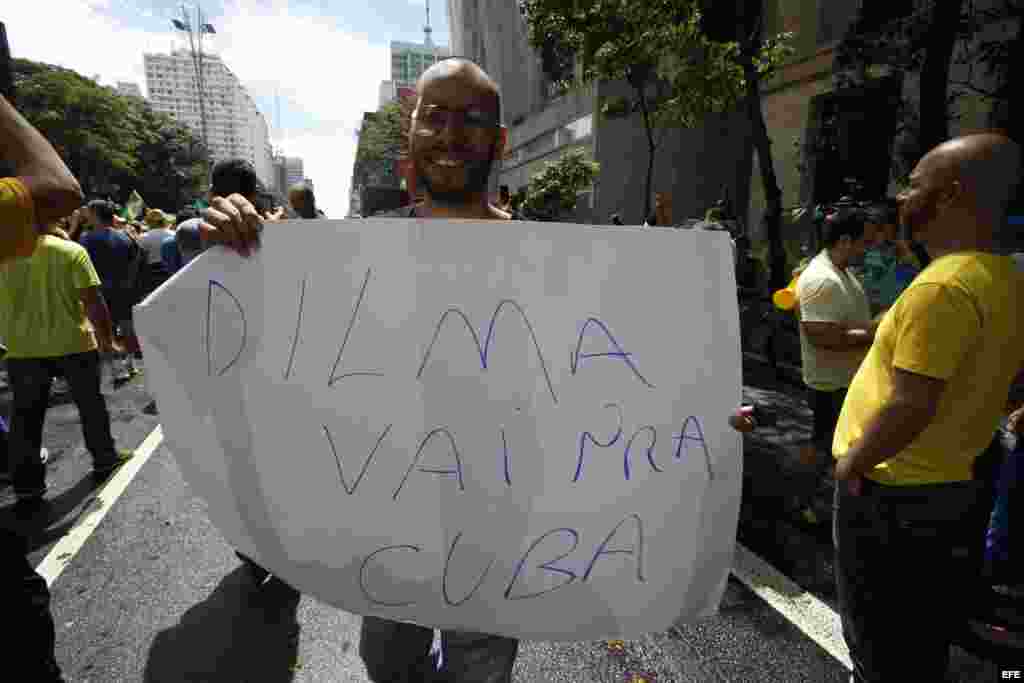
<point>324,58</point>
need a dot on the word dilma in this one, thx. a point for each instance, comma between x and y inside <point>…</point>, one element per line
<point>553,553</point>
<point>483,340</point>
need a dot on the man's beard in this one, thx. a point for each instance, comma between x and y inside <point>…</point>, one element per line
<point>477,175</point>
<point>915,221</point>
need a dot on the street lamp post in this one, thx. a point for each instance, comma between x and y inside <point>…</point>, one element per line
<point>195,41</point>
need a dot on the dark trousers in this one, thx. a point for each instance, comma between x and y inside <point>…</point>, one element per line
<point>5,450</point>
<point>908,564</point>
<point>26,606</point>
<point>30,383</point>
<point>396,652</point>
<point>826,406</point>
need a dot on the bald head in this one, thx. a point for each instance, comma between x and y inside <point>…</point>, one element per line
<point>986,166</point>
<point>960,191</point>
<point>449,76</point>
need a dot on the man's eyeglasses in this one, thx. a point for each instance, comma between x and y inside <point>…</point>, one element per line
<point>435,118</point>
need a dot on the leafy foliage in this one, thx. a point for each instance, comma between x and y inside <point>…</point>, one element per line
<point>383,141</point>
<point>902,42</point>
<point>111,143</point>
<point>677,73</point>
<point>680,69</point>
<point>656,45</point>
<point>554,190</point>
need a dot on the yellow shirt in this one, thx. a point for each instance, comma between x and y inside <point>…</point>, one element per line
<point>41,312</point>
<point>18,235</point>
<point>962,321</point>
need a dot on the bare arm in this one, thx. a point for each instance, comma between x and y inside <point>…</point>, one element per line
<point>907,413</point>
<point>99,315</point>
<point>838,336</point>
<point>55,192</point>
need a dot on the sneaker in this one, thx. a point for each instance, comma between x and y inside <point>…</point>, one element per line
<point>104,471</point>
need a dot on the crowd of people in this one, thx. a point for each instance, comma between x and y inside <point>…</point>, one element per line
<point>906,394</point>
<point>70,273</point>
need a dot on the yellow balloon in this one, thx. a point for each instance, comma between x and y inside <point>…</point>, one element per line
<point>785,299</point>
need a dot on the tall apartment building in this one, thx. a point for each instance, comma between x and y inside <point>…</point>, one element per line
<point>129,89</point>
<point>287,171</point>
<point>235,128</point>
<point>409,61</point>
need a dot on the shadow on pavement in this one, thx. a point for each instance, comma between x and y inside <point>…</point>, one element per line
<point>52,519</point>
<point>238,633</point>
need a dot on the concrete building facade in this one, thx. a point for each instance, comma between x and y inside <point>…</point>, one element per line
<point>129,89</point>
<point>803,107</point>
<point>235,128</point>
<point>697,167</point>
<point>544,125</point>
<point>408,62</point>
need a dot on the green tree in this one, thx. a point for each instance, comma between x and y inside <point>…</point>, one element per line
<point>111,143</point>
<point>382,143</point>
<point>920,42</point>
<point>172,161</point>
<point>86,123</point>
<point>554,191</point>
<point>925,43</point>
<point>679,73</point>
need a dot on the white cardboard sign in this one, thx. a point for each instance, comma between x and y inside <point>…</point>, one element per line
<point>507,427</point>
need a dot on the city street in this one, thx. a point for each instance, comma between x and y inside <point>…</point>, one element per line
<point>146,589</point>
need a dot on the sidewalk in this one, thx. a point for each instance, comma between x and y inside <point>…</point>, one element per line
<point>778,487</point>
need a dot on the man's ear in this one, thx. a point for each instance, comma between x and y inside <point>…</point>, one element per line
<point>951,194</point>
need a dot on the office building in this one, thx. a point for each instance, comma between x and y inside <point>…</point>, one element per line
<point>287,171</point>
<point>129,89</point>
<point>235,128</point>
<point>409,61</point>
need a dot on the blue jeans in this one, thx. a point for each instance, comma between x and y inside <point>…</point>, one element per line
<point>907,565</point>
<point>30,384</point>
<point>396,652</point>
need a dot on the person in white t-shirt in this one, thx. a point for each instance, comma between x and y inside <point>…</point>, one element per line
<point>836,327</point>
<point>158,226</point>
<point>160,229</point>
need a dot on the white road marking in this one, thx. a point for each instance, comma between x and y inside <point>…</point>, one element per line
<point>809,614</point>
<point>67,547</point>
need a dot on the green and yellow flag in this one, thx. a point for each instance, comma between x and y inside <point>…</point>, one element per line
<point>133,207</point>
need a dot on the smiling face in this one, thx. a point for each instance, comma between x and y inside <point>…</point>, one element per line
<point>455,134</point>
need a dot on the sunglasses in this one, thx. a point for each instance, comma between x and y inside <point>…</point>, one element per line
<point>435,118</point>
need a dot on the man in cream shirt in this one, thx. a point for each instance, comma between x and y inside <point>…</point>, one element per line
<point>835,322</point>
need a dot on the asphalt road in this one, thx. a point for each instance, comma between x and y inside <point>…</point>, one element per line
<point>155,594</point>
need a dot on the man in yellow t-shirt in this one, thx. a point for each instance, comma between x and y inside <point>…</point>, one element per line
<point>925,403</point>
<point>51,315</point>
<point>42,192</point>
